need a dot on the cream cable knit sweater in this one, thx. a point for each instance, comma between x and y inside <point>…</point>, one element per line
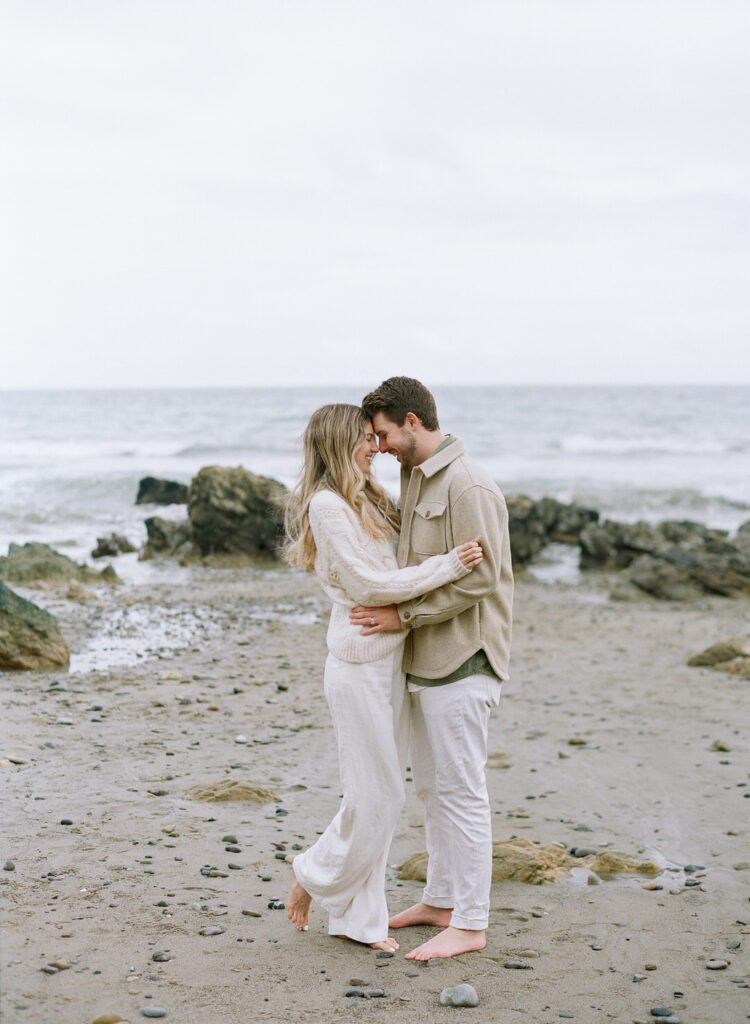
<point>355,568</point>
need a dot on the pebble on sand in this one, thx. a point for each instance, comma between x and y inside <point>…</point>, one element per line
<point>110,1018</point>
<point>717,965</point>
<point>153,1011</point>
<point>459,995</point>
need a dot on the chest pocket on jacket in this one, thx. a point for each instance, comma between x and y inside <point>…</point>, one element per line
<point>428,528</point>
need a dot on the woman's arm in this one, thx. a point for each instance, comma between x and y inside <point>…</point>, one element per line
<point>336,539</point>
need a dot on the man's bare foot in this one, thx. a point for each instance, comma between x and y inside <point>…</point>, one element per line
<point>450,942</point>
<point>420,913</point>
<point>298,905</point>
<point>388,945</point>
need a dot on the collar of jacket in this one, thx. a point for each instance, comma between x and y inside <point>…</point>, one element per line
<point>442,458</point>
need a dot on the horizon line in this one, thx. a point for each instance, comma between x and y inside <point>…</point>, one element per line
<point>316,386</point>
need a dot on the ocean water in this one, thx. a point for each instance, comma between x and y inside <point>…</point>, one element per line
<point>70,461</point>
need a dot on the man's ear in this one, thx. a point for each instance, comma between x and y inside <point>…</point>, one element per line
<point>413,420</point>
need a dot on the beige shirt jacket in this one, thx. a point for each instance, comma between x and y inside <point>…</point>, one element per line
<point>447,500</point>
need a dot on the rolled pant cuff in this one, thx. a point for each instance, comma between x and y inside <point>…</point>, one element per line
<point>471,924</point>
<point>441,902</point>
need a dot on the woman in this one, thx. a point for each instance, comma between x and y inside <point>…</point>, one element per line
<point>342,525</point>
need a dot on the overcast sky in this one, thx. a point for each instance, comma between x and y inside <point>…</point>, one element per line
<point>302,191</point>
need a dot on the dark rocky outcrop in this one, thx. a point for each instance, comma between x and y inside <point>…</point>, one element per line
<point>534,524</point>
<point>30,637</point>
<point>233,511</point>
<point>167,539</point>
<point>114,544</point>
<point>152,491</point>
<point>676,560</point>
<point>28,563</point>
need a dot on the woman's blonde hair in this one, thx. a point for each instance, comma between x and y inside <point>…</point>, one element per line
<point>331,437</point>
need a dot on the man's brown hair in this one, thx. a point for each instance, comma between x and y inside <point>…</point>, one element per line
<point>399,395</point>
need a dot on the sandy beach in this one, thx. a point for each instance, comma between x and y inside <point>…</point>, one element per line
<point>114,753</point>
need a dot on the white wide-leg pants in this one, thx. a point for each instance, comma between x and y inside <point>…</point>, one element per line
<point>344,871</point>
<point>449,753</point>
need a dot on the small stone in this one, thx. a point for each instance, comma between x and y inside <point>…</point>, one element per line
<point>639,977</point>
<point>233,848</point>
<point>229,839</point>
<point>734,944</point>
<point>60,965</point>
<point>48,969</point>
<point>529,954</point>
<point>517,965</point>
<point>650,967</point>
<point>66,821</point>
<point>358,983</point>
<point>383,954</point>
<point>652,886</point>
<point>9,866</point>
<point>597,948</point>
<point>661,1011</point>
<point>355,993</point>
<point>153,1011</point>
<point>252,913</point>
<point>376,993</point>
<point>240,739</point>
<point>744,865</point>
<point>211,930</point>
<point>276,905</point>
<point>690,869</point>
<point>235,867</point>
<point>459,995</point>
<point>717,965</point>
<point>161,958</point>
<point>720,747</point>
<point>110,1018</point>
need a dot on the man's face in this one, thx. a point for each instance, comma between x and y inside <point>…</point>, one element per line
<point>398,441</point>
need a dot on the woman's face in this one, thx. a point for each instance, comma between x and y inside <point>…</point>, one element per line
<point>365,452</point>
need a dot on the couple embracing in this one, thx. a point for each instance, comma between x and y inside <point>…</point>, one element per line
<point>419,642</point>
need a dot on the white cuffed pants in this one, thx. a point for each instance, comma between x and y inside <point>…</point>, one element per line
<point>344,871</point>
<point>449,753</point>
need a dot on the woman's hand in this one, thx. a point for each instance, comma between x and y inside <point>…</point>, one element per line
<point>470,554</point>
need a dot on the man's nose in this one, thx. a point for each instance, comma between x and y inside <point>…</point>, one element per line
<point>382,446</point>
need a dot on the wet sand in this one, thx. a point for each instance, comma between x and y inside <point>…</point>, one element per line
<point>116,752</point>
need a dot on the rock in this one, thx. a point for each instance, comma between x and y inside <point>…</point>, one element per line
<point>459,995</point>
<point>110,1018</point>
<point>77,592</point>
<point>231,789</point>
<point>355,993</point>
<point>517,965</point>
<point>161,958</point>
<point>152,491</point>
<point>731,656</point>
<point>717,965</point>
<point>153,1011</point>
<point>166,538</point>
<point>720,747</point>
<point>30,638</point>
<point>111,545</point>
<point>9,866</point>
<point>661,1011</point>
<point>233,511</point>
<point>534,524</point>
<point>27,563</point>
<point>211,930</point>
<point>662,580</point>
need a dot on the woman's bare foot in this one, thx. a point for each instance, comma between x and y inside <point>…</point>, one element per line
<point>298,905</point>
<point>388,945</point>
<point>449,942</point>
<point>420,913</point>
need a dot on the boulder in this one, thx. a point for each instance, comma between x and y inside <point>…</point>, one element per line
<point>28,563</point>
<point>662,580</point>
<point>233,511</point>
<point>114,544</point>
<point>152,491</point>
<point>534,524</point>
<point>166,538</point>
<point>30,637</point>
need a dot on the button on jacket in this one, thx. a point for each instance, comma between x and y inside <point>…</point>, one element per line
<point>447,500</point>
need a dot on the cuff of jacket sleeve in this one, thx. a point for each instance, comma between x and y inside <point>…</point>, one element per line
<point>407,612</point>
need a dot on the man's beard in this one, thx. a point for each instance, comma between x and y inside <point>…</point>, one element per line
<point>407,453</point>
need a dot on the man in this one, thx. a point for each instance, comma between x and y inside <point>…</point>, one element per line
<point>456,655</point>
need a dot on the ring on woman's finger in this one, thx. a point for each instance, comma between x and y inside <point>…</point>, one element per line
<point>372,622</point>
